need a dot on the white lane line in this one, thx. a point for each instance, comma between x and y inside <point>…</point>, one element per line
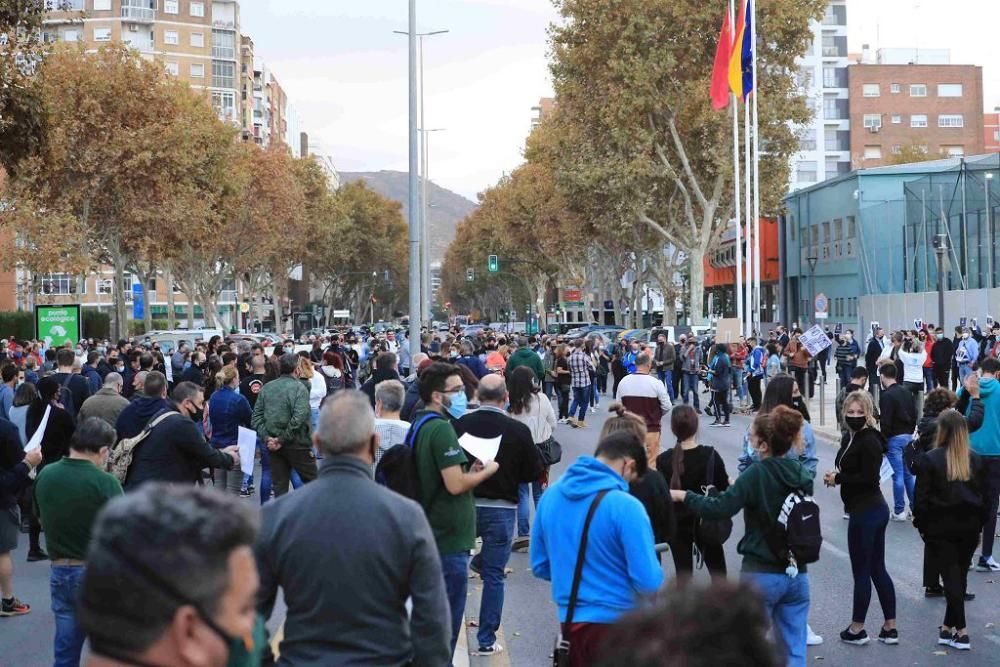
<point>903,587</point>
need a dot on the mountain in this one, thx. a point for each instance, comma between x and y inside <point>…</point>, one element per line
<point>444,214</point>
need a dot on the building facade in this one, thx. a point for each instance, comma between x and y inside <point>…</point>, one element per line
<point>544,108</point>
<point>720,273</point>
<point>937,108</point>
<point>991,132</point>
<point>824,144</point>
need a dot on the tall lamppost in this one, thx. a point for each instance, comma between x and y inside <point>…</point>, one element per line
<point>941,250</point>
<point>812,286</point>
<point>989,230</point>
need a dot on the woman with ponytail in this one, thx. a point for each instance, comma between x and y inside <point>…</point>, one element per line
<point>686,468</point>
<point>950,508</point>
<point>227,410</point>
<point>760,493</point>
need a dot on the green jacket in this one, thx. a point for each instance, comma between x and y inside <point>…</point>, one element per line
<point>525,356</point>
<point>282,412</point>
<point>759,492</point>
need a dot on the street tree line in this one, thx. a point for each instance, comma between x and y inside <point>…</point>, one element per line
<point>131,169</point>
<point>632,172</point>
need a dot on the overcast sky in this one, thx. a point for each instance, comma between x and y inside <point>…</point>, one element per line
<point>345,71</point>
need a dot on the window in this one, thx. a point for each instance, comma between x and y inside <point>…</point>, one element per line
<point>197,71</point>
<point>896,119</point>
<point>171,6</point>
<point>71,36</point>
<point>873,120</point>
<point>951,120</point>
<point>806,172</point>
<point>198,39</point>
<point>197,9</point>
<point>949,90</point>
<point>170,37</point>
<point>223,74</point>
<point>172,68</point>
<point>953,151</point>
<point>896,149</point>
<point>59,284</point>
<point>918,90</point>
<point>807,142</point>
<point>871,90</point>
<point>102,34</point>
<point>102,5</point>
<point>996,135</point>
<point>918,120</point>
<point>224,44</point>
<point>825,235</point>
<point>225,104</point>
<point>873,152</point>
<point>894,88</point>
<point>850,227</point>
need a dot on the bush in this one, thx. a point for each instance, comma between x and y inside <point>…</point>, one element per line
<point>19,324</point>
<point>96,324</point>
<point>138,327</point>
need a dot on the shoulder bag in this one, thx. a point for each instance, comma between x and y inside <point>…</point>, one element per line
<point>549,449</point>
<point>712,532</point>
<point>560,656</point>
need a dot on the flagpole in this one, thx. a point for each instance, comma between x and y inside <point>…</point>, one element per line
<point>746,146</point>
<point>756,170</point>
<point>738,286</point>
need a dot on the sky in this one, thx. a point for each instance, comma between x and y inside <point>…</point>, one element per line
<point>346,72</point>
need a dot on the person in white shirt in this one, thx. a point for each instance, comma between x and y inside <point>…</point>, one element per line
<point>647,397</point>
<point>391,430</point>
<point>913,355</point>
<point>317,388</point>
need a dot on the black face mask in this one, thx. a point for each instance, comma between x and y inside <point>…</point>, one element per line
<point>855,423</point>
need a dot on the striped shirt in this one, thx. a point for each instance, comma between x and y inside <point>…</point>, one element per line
<point>391,432</point>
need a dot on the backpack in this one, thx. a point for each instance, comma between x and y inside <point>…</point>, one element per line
<point>66,396</point>
<point>712,532</point>
<point>397,468</point>
<point>796,535</point>
<point>333,383</point>
<point>120,459</point>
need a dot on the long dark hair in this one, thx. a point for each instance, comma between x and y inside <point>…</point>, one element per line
<point>522,389</point>
<point>778,392</point>
<point>684,426</point>
<point>48,389</point>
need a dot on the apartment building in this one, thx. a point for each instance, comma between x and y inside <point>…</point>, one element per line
<point>910,97</point>
<point>991,132</point>
<point>825,142</point>
<point>543,109</point>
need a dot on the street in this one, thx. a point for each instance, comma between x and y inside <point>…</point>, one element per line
<point>529,623</point>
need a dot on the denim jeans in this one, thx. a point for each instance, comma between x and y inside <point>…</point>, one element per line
<point>691,384</point>
<point>964,371</point>
<point>845,375</point>
<point>595,398</point>
<point>666,376</point>
<point>786,601</point>
<point>525,493</point>
<point>581,398</point>
<point>928,378</point>
<point>496,526</point>
<point>64,583</point>
<point>739,377</point>
<point>455,568</point>
<point>902,478</point>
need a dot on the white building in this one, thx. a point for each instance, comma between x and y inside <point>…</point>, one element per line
<point>825,143</point>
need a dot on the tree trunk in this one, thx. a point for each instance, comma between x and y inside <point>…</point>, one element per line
<point>120,319</point>
<point>168,279</point>
<point>189,293</point>
<point>696,270</point>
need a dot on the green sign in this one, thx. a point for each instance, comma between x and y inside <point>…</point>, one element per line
<point>493,264</point>
<point>58,325</point>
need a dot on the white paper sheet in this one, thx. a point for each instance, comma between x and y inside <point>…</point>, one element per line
<point>885,472</point>
<point>484,449</point>
<point>248,448</point>
<point>35,442</point>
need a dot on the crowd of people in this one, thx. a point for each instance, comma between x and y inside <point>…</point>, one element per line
<point>130,460</point>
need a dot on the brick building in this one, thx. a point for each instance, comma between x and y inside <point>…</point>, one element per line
<point>991,132</point>
<point>936,107</point>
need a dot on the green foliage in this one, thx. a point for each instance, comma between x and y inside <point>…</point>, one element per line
<point>19,324</point>
<point>138,327</point>
<point>96,324</point>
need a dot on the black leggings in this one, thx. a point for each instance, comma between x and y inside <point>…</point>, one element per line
<point>681,550</point>
<point>866,543</point>
<point>602,383</point>
<point>563,392</point>
<point>721,401</point>
<point>951,556</point>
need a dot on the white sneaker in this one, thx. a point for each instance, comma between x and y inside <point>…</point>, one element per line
<point>988,565</point>
<point>812,639</point>
<point>593,410</point>
<point>898,517</point>
<point>562,421</point>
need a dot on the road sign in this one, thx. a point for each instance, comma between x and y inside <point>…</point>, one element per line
<point>822,306</point>
<point>493,264</point>
<point>138,302</point>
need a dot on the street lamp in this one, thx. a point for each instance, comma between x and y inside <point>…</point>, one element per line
<point>989,229</point>
<point>812,259</point>
<point>940,249</point>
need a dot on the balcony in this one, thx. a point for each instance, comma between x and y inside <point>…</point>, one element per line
<point>223,53</point>
<point>224,25</point>
<point>142,44</point>
<point>139,11</point>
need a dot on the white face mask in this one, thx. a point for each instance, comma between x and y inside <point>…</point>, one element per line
<point>965,335</point>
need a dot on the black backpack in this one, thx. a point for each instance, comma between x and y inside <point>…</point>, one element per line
<point>397,468</point>
<point>796,536</point>
<point>713,532</point>
<point>66,396</point>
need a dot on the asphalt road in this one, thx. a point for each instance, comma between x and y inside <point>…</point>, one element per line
<point>529,620</point>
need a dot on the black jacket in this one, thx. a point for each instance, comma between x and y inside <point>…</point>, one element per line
<point>898,411</point>
<point>411,401</point>
<point>927,429</point>
<point>378,376</point>
<point>943,507</point>
<point>137,414</point>
<point>175,452</point>
<point>13,469</point>
<point>872,353</point>
<point>353,609</point>
<point>942,352</point>
<point>518,457</point>
<point>654,494</point>
<point>859,462</point>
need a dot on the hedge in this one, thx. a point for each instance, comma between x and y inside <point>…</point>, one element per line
<point>19,324</point>
<point>96,324</point>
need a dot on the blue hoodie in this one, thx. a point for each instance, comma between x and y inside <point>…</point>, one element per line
<point>620,563</point>
<point>985,440</point>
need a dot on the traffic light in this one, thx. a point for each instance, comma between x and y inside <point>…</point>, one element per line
<point>493,264</point>
<point>470,275</point>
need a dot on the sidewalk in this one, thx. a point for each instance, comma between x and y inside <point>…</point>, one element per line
<point>822,408</point>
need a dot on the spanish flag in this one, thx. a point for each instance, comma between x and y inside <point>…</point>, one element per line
<point>720,71</point>
<point>736,55</point>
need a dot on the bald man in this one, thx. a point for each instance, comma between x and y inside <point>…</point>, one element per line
<point>497,497</point>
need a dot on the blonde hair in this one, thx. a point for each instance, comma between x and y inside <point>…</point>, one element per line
<point>306,368</point>
<point>865,400</point>
<point>623,420</point>
<point>953,436</point>
<point>225,376</point>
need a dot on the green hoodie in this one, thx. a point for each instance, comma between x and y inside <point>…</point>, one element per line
<point>759,492</point>
<point>525,356</point>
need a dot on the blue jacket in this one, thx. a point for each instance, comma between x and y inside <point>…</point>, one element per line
<point>620,562</point>
<point>807,458</point>
<point>137,414</point>
<point>94,379</point>
<point>6,400</point>
<point>228,409</point>
<point>628,361</point>
<point>756,360</point>
<point>474,364</point>
<point>971,353</point>
<point>985,440</point>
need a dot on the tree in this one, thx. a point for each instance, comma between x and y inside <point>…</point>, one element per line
<point>911,153</point>
<point>638,140</point>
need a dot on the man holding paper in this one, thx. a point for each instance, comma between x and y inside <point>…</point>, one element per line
<point>483,432</point>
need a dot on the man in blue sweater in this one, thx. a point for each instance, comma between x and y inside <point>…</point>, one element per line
<point>620,562</point>
<point>985,441</point>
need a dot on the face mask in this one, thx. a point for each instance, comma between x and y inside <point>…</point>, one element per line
<point>457,404</point>
<point>848,337</point>
<point>939,336</point>
<point>964,336</point>
<point>247,651</point>
<point>855,423</point>
<point>120,368</point>
<point>197,416</point>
